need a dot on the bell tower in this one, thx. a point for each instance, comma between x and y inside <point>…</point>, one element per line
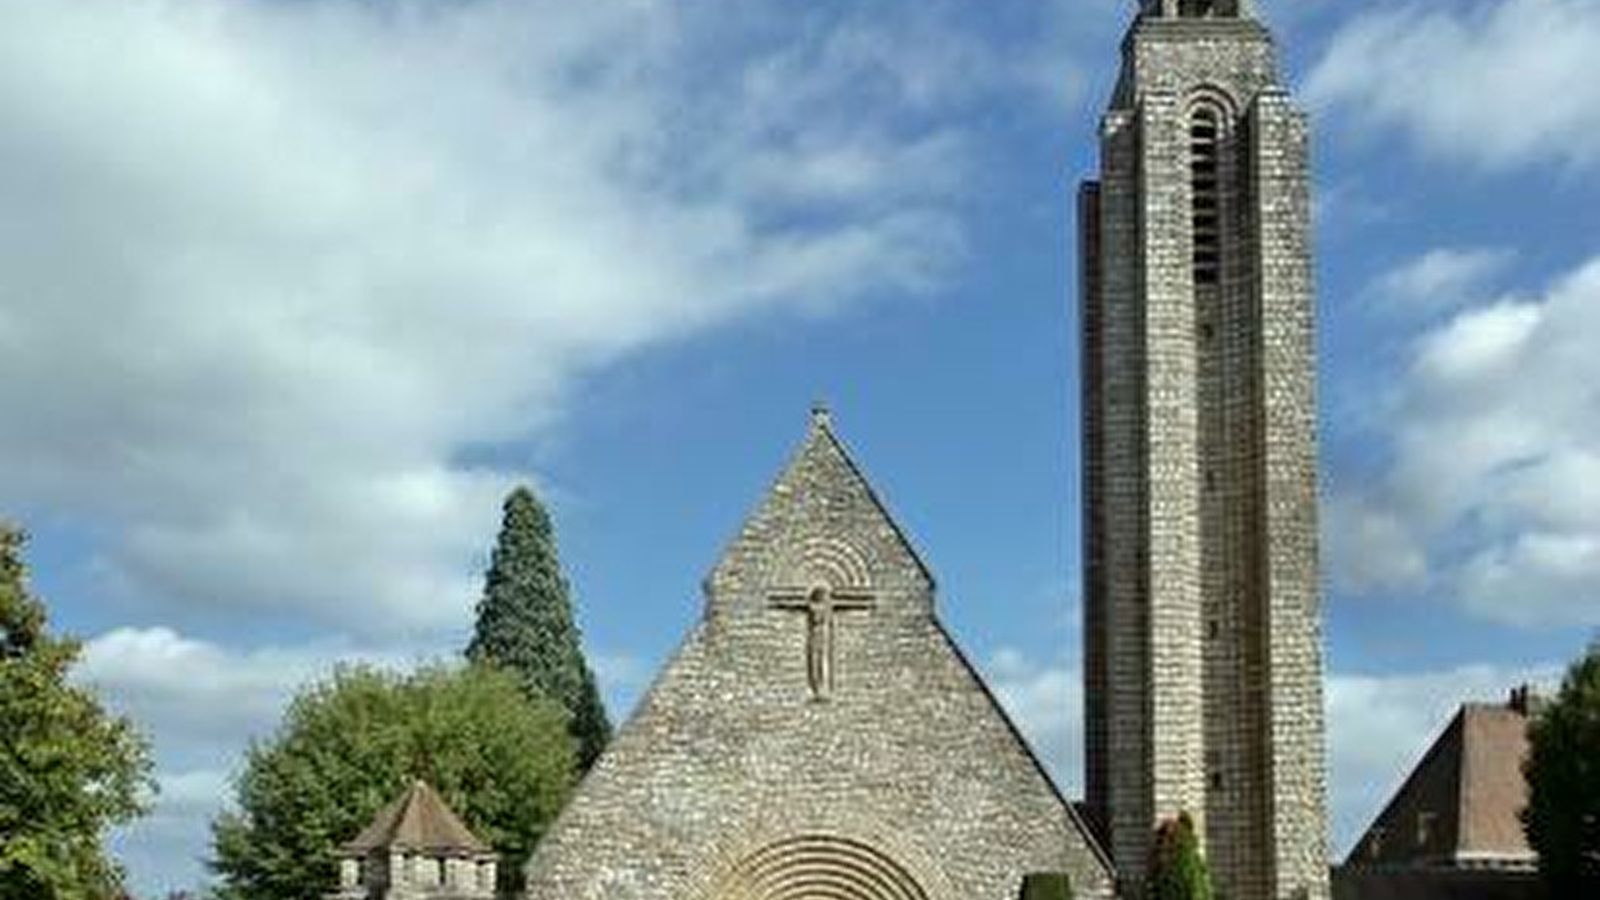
<point>1202,664</point>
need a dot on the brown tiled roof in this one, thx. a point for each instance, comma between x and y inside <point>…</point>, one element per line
<point>1493,790</point>
<point>1470,789</point>
<point>418,821</point>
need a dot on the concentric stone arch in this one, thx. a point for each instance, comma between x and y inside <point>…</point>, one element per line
<point>818,867</point>
<point>826,561</point>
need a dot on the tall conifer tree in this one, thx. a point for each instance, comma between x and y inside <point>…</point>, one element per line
<point>525,622</point>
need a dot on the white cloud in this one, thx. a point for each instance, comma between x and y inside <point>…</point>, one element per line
<point>1440,279</point>
<point>1532,578</point>
<point>202,703</point>
<point>1491,486</point>
<point>1046,703</point>
<point>174,839</point>
<point>269,269</point>
<point>1496,85</point>
<point>1369,546</point>
<point>1485,84</point>
<point>202,700</point>
<point>1478,347</point>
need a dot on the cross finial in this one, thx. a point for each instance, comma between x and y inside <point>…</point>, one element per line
<point>821,416</point>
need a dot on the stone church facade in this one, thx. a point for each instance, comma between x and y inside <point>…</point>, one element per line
<point>818,734</point>
<point>1203,672</point>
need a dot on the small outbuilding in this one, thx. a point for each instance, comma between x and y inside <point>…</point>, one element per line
<point>417,849</point>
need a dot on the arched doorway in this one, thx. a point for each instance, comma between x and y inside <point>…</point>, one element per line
<point>818,867</point>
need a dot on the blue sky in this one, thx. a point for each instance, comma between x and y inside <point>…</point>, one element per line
<point>292,292</point>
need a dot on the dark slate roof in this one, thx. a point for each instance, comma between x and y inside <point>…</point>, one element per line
<point>1470,790</point>
<point>419,821</point>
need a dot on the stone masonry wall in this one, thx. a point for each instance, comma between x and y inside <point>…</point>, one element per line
<point>905,780</point>
<point>1202,621</point>
<point>1124,766</point>
<point>1298,812</point>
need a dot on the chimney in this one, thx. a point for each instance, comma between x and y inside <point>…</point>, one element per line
<point>1523,700</point>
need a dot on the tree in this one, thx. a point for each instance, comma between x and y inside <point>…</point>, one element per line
<point>352,744</point>
<point>1177,870</point>
<point>68,769</point>
<point>525,623</point>
<point>1562,819</point>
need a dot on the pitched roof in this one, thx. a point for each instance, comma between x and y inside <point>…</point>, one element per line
<point>908,710</point>
<point>821,466</point>
<point>419,821</point>
<point>1493,789</point>
<point>1461,805</point>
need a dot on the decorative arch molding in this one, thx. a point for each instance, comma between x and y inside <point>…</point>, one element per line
<point>1211,97</point>
<point>815,866</point>
<point>820,561</point>
<point>804,851</point>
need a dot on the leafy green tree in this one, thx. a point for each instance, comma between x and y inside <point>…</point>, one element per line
<point>68,770</point>
<point>1177,870</point>
<point>1562,819</point>
<point>350,745</point>
<point>525,623</point>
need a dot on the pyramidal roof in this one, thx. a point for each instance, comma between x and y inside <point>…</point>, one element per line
<point>418,821</point>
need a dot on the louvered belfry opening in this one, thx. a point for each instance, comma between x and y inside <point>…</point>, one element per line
<point>1208,9</point>
<point>1205,138</point>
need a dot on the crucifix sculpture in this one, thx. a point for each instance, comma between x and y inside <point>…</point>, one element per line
<point>821,604</point>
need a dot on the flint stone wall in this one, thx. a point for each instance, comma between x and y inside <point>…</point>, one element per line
<point>908,757</point>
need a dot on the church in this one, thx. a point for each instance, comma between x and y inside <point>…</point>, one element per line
<point>819,735</point>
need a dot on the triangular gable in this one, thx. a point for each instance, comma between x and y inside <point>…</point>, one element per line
<point>734,751</point>
<point>822,469</point>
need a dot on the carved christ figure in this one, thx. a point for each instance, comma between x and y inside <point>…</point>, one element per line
<point>821,604</point>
